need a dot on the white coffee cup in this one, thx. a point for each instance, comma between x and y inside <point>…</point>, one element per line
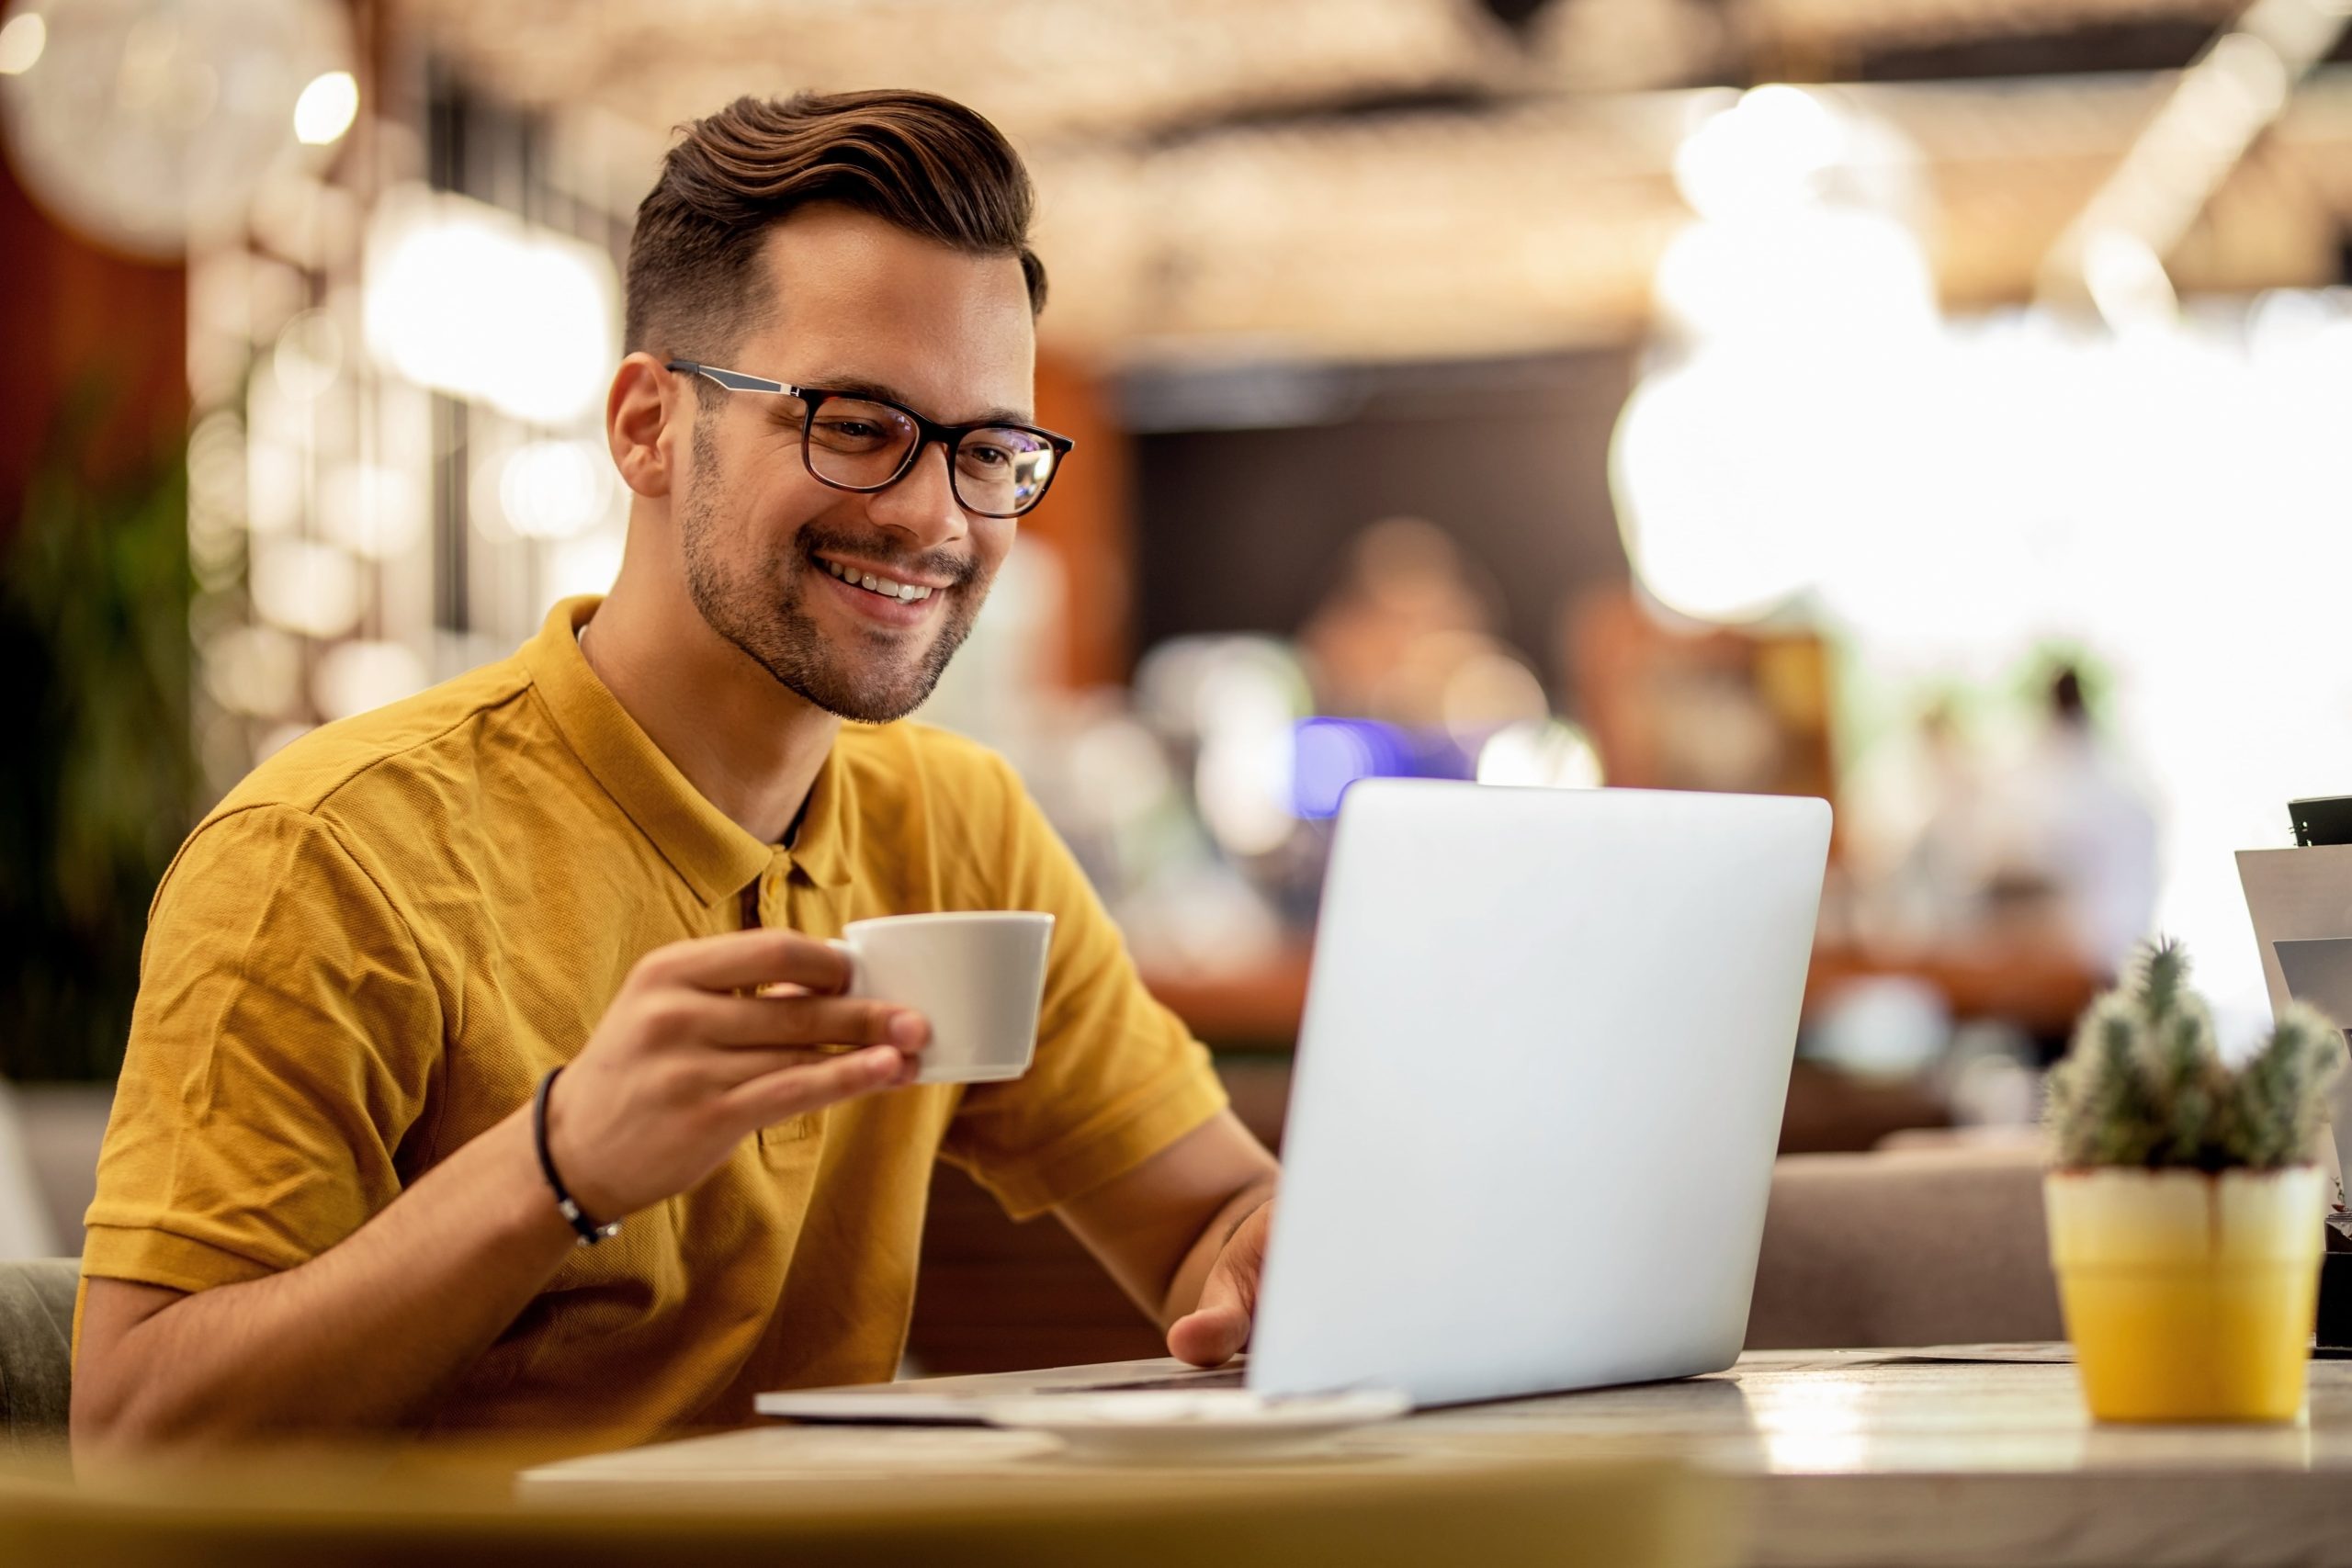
<point>977,976</point>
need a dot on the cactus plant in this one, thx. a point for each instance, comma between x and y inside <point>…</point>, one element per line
<point>2143,1083</point>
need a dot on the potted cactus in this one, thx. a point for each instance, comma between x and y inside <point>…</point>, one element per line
<point>2184,1212</point>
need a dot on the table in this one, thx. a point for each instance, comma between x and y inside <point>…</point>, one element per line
<point>1940,1458</point>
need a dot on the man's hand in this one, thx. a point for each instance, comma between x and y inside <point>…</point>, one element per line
<point>1184,1233</point>
<point>1218,1327</point>
<point>683,1065</point>
<point>688,1061</point>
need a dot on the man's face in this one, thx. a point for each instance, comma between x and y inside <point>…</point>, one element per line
<point>858,305</point>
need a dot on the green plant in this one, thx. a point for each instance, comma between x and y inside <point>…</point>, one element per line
<point>2143,1083</point>
<point>98,779</point>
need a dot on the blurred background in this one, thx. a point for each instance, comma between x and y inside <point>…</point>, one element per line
<point>1937,405</point>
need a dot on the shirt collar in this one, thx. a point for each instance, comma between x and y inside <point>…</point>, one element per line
<point>712,851</point>
<point>826,845</point>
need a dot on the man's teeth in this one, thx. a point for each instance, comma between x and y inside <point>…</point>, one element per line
<point>904,593</point>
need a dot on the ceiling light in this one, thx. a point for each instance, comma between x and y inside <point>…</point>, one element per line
<point>326,108</point>
<point>21,42</point>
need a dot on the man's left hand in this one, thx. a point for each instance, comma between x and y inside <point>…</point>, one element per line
<point>1216,1329</point>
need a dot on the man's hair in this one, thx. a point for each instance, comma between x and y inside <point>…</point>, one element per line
<point>926,163</point>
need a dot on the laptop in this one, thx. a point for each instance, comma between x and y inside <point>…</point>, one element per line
<point>1537,1095</point>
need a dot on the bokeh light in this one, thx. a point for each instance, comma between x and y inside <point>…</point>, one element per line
<point>326,108</point>
<point>306,586</point>
<point>22,40</point>
<point>465,299</point>
<point>555,489</point>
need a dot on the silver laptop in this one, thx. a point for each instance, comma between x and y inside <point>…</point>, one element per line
<point>1538,1091</point>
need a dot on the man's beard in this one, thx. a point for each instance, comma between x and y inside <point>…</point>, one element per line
<point>764,613</point>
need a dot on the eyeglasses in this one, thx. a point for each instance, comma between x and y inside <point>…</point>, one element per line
<point>854,442</point>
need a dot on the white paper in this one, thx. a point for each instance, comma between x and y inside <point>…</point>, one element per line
<point>2301,894</point>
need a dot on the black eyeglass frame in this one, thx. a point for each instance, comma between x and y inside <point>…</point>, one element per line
<point>949,436</point>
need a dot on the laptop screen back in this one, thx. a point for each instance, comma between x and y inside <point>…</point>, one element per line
<point>1539,1088</point>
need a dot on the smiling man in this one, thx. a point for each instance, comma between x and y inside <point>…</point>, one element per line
<point>598,877</point>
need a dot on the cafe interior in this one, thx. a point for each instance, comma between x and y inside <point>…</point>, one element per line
<point>1937,407</point>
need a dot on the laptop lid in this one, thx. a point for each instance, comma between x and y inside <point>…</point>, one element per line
<point>1539,1088</point>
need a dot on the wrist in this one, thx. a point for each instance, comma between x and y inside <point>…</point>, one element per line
<point>529,1214</point>
<point>567,1168</point>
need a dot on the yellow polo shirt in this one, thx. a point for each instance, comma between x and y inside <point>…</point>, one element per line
<point>374,947</point>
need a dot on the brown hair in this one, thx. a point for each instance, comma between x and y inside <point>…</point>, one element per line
<point>926,163</point>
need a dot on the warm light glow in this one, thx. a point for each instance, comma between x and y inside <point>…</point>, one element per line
<point>465,299</point>
<point>1814,1428</point>
<point>1802,314</point>
<point>308,355</point>
<point>585,565</point>
<point>255,670</point>
<point>1487,692</point>
<point>1811,278</point>
<point>1243,696</point>
<point>354,677</point>
<point>1547,755</point>
<point>377,511</point>
<point>1243,784</point>
<point>326,108</point>
<point>303,586</point>
<point>2151,497</point>
<point>555,489</point>
<point>21,42</point>
<point>2127,281</point>
<point>1740,474</point>
<point>1768,149</point>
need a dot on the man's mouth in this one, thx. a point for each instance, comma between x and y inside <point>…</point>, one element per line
<point>877,584</point>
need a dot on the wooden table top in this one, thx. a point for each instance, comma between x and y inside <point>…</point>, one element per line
<point>1953,1456</point>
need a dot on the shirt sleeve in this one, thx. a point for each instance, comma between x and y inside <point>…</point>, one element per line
<point>282,1046</point>
<point>1117,1077</point>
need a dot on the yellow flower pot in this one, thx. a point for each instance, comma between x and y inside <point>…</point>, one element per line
<point>2188,1297</point>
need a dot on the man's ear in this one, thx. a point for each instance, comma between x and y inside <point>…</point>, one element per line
<point>645,406</point>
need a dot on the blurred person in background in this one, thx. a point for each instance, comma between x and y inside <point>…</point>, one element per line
<point>1407,619</point>
<point>1921,833</point>
<point>2077,847</point>
<point>325,1202</point>
<point>2048,844</point>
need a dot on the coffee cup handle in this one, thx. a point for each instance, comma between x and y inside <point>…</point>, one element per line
<point>846,951</point>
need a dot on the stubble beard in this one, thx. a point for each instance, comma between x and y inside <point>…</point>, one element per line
<point>763,611</point>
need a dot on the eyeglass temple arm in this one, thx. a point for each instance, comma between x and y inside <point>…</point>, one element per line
<point>733,381</point>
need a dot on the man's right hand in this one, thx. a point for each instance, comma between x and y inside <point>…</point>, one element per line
<point>706,1041</point>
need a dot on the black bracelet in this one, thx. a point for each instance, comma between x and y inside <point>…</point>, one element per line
<point>591,1233</point>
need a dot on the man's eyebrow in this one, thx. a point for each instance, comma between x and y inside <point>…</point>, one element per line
<point>864,388</point>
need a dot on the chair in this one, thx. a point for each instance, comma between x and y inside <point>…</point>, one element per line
<point>1905,1247</point>
<point>25,1227</point>
<point>35,1355</point>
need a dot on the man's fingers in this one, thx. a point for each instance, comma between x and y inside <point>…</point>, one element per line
<point>806,1020</point>
<point>735,961</point>
<point>740,1063</point>
<point>1212,1334</point>
<point>795,1090</point>
<point>1217,1329</point>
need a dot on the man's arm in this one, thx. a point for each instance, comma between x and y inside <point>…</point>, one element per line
<point>681,1069</point>
<point>360,1338</point>
<point>1197,1209</point>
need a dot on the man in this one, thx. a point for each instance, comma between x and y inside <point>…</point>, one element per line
<point>321,1206</point>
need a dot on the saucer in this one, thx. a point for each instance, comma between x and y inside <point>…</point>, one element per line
<point>1203,1426</point>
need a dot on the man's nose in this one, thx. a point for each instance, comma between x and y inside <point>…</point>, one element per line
<point>922,505</point>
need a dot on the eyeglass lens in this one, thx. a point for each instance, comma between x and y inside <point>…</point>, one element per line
<point>999,470</point>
